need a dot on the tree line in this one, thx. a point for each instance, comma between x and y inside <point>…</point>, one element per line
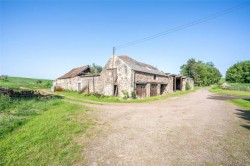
<point>204,74</point>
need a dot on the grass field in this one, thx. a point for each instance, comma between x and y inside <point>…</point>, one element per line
<point>229,92</point>
<point>47,139</point>
<point>40,131</point>
<point>235,89</point>
<point>240,86</point>
<point>31,83</point>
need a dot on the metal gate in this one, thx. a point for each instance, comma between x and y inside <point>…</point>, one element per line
<point>153,90</point>
<point>141,90</point>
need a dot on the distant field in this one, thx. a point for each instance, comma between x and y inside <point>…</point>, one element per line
<point>31,83</point>
<point>239,86</point>
<point>235,89</point>
<point>230,92</point>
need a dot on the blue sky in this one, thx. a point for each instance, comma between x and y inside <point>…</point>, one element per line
<point>45,39</point>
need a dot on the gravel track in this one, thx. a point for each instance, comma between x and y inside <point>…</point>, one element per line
<point>200,128</point>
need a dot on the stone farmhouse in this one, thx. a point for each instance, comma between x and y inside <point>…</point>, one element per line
<point>121,75</point>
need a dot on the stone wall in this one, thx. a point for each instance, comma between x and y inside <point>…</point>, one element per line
<point>191,82</point>
<point>183,84</point>
<point>170,86</point>
<point>146,77</point>
<point>123,76</point>
<point>88,83</point>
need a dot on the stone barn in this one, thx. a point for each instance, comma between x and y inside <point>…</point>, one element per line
<point>122,75</point>
<point>79,79</point>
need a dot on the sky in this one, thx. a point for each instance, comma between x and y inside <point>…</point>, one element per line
<point>45,39</point>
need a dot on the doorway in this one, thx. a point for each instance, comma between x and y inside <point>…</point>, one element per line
<point>141,90</point>
<point>163,88</point>
<point>153,90</point>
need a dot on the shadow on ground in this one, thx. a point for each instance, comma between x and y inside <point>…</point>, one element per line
<point>244,114</point>
<point>226,97</point>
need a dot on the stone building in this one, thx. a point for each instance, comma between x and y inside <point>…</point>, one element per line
<point>122,75</point>
<point>79,79</point>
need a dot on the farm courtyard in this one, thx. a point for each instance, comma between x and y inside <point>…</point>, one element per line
<point>185,128</point>
<point>200,128</point>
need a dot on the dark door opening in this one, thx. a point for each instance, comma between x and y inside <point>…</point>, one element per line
<point>163,88</point>
<point>174,84</point>
<point>178,83</point>
<point>153,90</point>
<point>141,90</point>
<point>115,90</point>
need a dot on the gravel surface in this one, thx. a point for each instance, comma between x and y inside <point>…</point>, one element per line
<point>200,128</point>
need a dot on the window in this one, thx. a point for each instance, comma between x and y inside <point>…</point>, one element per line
<point>154,77</point>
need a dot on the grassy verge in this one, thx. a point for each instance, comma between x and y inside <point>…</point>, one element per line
<point>240,86</point>
<point>229,92</point>
<point>47,139</point>
<point>15,112</point>
<point>31,83</point>
<point>77,96</point>
<point>243,103</point>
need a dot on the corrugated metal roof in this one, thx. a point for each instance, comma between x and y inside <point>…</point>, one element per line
<point>75,72</point>
<point>141,67</point>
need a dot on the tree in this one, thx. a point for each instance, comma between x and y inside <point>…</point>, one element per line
<point>204,74</point>
<point>95,69</point>
<point>239,72</point>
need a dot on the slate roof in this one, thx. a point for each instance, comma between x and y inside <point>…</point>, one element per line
<point>141,67</point>
<point>75,72</point>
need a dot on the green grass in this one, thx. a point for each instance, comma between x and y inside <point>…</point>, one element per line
<point>47,139</point>
<point>243,103</point>
<point>31,83</point>
<point>75,95</point>
<point>16,112</point>
<point>217,90</point>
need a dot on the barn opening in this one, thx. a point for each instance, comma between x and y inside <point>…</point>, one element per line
<point>153,90</point>
<point>178,83</point>
<point>163,88</point>
<point>115,90</point>
<point>141,90</point>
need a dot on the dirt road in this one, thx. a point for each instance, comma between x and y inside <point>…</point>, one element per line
<point>197,129</point>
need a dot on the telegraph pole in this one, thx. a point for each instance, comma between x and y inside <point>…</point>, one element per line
<point>113,51</point>
<point>113,60</point>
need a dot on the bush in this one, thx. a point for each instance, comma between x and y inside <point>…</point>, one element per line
<point>125,94</point>
<point>188,87</point>
<point>5,102</point>
<point>225,85</point>
<point>4,77</point>
<point>48,84</point>
<point>133,94</point>
<point>98,95</point>
<point>39,81</point>
<point>239,73</point>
